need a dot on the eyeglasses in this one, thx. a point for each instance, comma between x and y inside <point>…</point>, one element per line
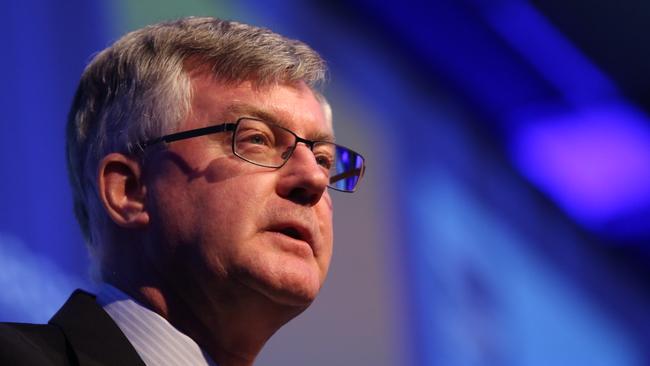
<point>269,145</point>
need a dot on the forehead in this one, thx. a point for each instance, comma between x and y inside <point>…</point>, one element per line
<point>293,106</point>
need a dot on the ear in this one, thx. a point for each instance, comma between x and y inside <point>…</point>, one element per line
<point>122,190</point>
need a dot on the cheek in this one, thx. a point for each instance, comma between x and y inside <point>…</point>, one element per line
<point>324,213</point>
<point>209,207</point>
<point>223,218</point>
<point>326,200</point>
<point>229,213</point>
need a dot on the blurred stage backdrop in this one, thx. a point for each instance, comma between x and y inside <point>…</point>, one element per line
<point>505,215</point>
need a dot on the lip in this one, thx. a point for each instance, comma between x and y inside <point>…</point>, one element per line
<point>294,230</point>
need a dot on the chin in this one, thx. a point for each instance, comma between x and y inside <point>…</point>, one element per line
<point>283,277</point>
<point>297,290</point>
<point>293,297</point>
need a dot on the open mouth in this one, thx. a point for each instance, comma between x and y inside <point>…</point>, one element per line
<point>296,237</point>
<point>291,232</point>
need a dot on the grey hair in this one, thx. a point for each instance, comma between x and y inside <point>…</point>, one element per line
<point>139,88</point>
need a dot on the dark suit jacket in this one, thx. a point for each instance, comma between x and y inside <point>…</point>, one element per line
<point>81,333</point>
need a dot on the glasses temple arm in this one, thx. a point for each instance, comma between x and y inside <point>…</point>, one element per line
<point>344,175</point>
<point>189,134</point>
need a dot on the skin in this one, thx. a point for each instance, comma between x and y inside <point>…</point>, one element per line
<point>196,234</point>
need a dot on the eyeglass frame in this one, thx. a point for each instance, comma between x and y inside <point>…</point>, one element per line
<point>232,127</point>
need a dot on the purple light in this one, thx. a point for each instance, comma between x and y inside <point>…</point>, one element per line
<point>546,48</point>
<point>595,163</point>
<point>345,157</point>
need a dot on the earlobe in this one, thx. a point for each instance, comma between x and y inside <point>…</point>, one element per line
<point>122,190</point>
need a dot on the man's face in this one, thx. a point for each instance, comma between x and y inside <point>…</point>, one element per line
<point>228,225</point>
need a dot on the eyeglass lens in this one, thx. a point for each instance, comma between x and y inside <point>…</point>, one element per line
<point>270,145</point>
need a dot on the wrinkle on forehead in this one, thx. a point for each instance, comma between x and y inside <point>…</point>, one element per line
<point>306,112</point>
<point>238,110</point>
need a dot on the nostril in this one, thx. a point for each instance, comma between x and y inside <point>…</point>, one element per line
<point>302,180</point>
<point>303,196</point>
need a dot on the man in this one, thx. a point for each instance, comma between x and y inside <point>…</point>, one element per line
<point>200,154</point>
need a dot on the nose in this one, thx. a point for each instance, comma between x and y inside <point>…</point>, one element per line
<point>302,180</point>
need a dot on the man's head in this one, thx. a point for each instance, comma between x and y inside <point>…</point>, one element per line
<point>207,214</point>
<point>140,88</point>
<point>199,154</point>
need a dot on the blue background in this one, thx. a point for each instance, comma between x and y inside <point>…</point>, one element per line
<point>505,216</point>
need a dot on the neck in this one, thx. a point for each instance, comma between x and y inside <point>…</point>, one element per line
<point>232,327</point>
<point>229,320</point>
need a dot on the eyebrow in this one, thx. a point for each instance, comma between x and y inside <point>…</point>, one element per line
<point>238,110</point>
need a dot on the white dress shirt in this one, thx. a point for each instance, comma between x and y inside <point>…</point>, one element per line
<point>157,341</point>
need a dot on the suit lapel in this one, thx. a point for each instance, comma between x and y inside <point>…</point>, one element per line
<point>93,336</point>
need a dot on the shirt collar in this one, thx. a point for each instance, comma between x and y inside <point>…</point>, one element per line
<point>153,337</point>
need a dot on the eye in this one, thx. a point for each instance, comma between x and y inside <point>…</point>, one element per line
<point>257,139</point>
<point>253,137</point>
<point>324,153</point>
<point>325,161</point>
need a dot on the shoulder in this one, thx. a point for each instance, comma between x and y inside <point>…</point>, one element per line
<point>32,344</point>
